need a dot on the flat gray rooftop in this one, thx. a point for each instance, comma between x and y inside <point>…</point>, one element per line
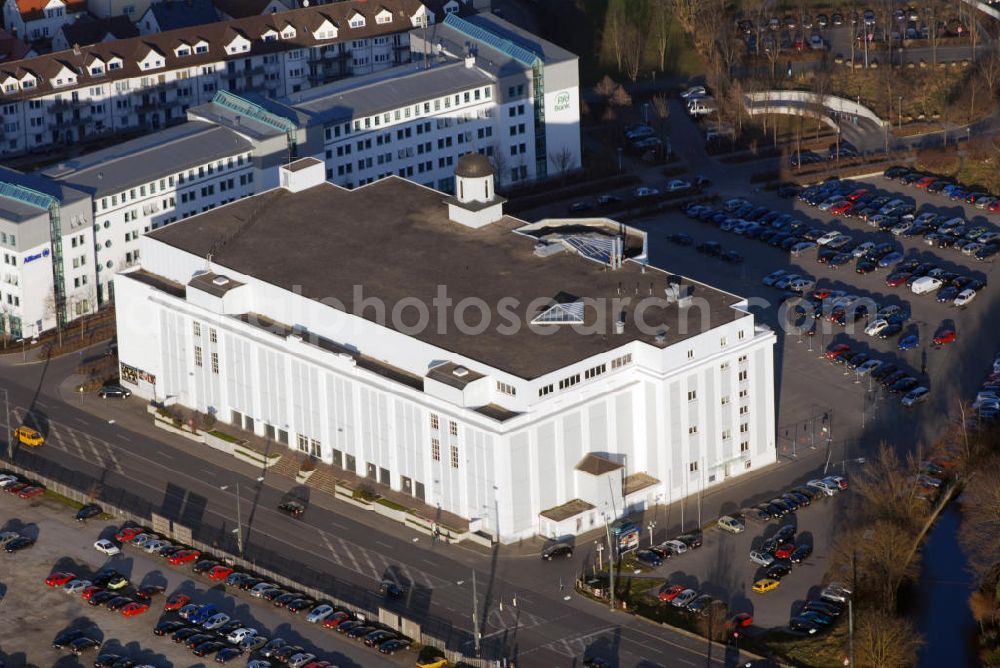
<point>383,91</point>
<point>149,157</point>
<point>18,211</point>
<point>394,239</point>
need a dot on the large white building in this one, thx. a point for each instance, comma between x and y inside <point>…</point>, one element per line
<point>534,378</point>
<point>473,84</point>
<point>412,121</point>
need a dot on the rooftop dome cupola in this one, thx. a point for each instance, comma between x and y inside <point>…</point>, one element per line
<point>475,203</point>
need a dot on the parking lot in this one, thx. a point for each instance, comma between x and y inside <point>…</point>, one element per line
<point>721,567</point>
<point>35,614</point>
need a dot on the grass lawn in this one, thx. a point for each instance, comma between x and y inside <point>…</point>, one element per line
<point>826,650</point>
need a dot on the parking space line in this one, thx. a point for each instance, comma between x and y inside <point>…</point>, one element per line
<point>333,552</point>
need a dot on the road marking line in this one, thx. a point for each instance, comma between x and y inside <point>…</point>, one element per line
<point>333,553</point>
<point>371,564</point>
<point>350,555</point>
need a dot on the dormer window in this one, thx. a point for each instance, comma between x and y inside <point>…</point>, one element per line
<point>10,88</point>
<point>270,36</point>
<point>28,83</point>
<point>96,70</point>
<point>115,64</point>
<point>357,21</point>
<point>383,17</point>
<point>201,48</point>
<point>288,33</point>
<point>183,51</point>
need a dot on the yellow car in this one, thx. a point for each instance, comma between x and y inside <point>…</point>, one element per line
<point>765,585</point>
<point>430,658</point>
<point>29,436</point>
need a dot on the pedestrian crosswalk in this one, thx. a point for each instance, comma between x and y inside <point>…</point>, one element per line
<point>76,442</point>
<point>372,564</point>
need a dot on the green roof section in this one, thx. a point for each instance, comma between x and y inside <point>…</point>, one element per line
<point>245,107</point>
<point>27,196</point>
<point>522,55</point>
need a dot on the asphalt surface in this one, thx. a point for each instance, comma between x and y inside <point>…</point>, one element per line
<point>35,614</point>
<point>526,609</point>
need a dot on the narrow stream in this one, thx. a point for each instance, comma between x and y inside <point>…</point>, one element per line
<point>940,598</point>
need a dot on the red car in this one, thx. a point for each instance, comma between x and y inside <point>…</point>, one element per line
<point>127,534</point>
<point>820,293</point>
<point>741,620</point>
<point>837,351</point>
<point>59,578</point>
<point>841,207</point>
<point>31,492</point>
<point>924,182</point>
<point>90,591</point>
<point>219,572</point>
<point>784,551</point>
<point>896,280</point>
<point>334,620</point>
<point>669,593</point>
<point>857,194</point>
<point>995,206</point>
<point>945,337</point>
<point>184,557</point>
<point>133,609</point>
<point>16,487</point>
<point>176,601</point>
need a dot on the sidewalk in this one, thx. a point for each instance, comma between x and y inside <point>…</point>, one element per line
<point>132,415</point>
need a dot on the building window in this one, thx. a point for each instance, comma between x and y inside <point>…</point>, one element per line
<point>236,418</point>
<point>215,362</point>
<point>725,400</point>
<point>724,366</point>
<point>619,362</point>
<point>302,443</point>
<point>547,389</point>
<point>743,394</point>
<point>740,335</point>
<point>744,410</point>
<point>722,342</point>
<point>727,434</point>
<point>744,446</point>
<point>693,429</point>
<point>742,359</point>
<point>435,423</point>
<point>692,395</point>
<point>435,449</point>
<point>693,467</point>
<point>454,456</point>
<point>690,354</point>
<point>747,464</point>
<point>197,356</point>
<point>743,375</point>
<point>453,428</point>
<point>212,335</point>
<point>504,388</point>
<point>744,428</point>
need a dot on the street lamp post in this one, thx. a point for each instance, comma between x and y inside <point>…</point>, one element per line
<point>599,546</point>
<point>651,526</point>
<point>239,518</point>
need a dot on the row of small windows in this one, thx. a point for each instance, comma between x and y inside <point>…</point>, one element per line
<point>133,194</point>
<point>436,452</point>
<point>436,425</point>
<point>414,111</point>
<point>505,388</point>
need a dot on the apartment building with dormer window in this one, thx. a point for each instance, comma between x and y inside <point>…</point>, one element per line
<point>148,82</point>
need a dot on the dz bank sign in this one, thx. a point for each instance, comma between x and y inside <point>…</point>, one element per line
<point>562,101</point>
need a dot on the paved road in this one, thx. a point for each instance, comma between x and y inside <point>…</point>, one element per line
<point>344,548</point>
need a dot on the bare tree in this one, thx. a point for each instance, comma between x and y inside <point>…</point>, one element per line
<point>984,608</point>
<point>821,87</point>
<point>562,160</point>
<point>615,28</point>
<point>661,20</point>
<point>687,13</point>
<point>499,162</point>
<point>883,640</point>
<point>773,52</point>
<point>661,107</point>
<point>889,491</point>
<point>632,50</point>
<point>621,98</point>
<point>980,532</point>
<point>605,87</point>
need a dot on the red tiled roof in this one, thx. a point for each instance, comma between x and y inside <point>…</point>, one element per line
<point>32,10</point>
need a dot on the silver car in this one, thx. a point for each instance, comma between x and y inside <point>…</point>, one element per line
<point>761,558</point>
<point>684,598</point>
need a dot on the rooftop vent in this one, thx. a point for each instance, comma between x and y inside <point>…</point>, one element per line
<point>460,372</point>
<point>620,324</point>
<point>661,337</point>
<point>220,281</point>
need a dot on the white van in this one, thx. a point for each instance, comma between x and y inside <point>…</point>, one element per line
<point>925,284</point>
<point>702,108</point>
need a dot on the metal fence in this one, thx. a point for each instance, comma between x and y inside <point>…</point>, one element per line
<point>305,574</point>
